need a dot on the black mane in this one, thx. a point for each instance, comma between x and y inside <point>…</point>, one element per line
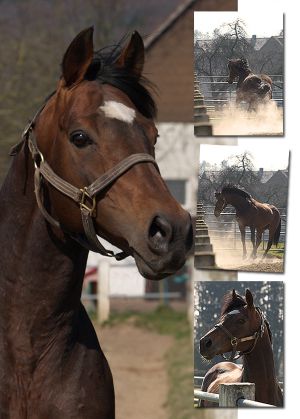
<point>231,302</point>
<point>241,64</point>
<point>235,190</point>
<point>104,70</point>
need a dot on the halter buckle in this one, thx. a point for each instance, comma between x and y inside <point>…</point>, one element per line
<point>234,341</point>
<point>86,200</point>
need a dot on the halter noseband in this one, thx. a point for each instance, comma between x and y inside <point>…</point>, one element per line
<point>235,341</point>
<point>85,197</point>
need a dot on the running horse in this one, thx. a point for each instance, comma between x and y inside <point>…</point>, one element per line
<point>89,151</point>
<point>244,331</point>
<point>252,213</point>
<point>251,88</point>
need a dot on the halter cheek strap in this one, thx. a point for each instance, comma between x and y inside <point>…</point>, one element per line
<point>85,197</point>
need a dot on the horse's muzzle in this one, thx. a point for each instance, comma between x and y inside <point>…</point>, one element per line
<point>168,244</point>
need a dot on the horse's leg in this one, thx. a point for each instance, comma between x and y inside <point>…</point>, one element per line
<point>243,236</point>
<point>253,254</point>
<point>258,239</point>
<point>270,241</point>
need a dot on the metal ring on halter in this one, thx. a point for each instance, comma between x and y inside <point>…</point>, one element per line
<point>40,155</point>
<point>234,341</point>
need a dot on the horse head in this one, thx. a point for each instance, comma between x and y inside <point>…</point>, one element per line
<point>220,204</point>
<point>240,325</point>
<point>237,67</point>
<point>100,114</point>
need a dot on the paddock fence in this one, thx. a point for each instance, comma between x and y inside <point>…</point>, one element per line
<point>198,380</point>
<point>230,395</point>
<point>217,92</point>
<point>111,284</point>
<point>226,227</point>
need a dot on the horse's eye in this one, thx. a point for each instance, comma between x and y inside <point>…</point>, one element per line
<point>80,139</point>
<point>242,321</point>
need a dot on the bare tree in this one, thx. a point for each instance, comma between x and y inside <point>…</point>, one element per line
<point>239,170</point>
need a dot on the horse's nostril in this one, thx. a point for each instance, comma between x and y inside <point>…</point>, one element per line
<point>160,234</point>
<point>156,230</point>
<point>208,343</point>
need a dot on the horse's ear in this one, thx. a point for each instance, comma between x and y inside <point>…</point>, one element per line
<point>132,57</point>
<point>78,57</point>
<point>234,294</point>
<point>249,298</point>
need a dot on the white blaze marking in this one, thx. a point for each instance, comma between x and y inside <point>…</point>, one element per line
<point>234,312</point>
<point>118,110</point>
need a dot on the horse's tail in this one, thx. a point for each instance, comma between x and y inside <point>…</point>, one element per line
<point>277,233</point>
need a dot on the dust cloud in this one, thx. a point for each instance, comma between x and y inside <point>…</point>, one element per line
<point>229,256</point>
<point>231,120</point>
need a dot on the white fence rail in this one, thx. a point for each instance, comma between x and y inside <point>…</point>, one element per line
<point>198,380</point>
<point>217,92</point>
<point>227,227</point>
<point>231,395</point>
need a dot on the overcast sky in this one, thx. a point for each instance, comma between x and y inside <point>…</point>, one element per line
<point>269,154</point>
<point>261,19</point>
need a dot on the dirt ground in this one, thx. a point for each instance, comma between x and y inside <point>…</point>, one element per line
<point>271,264</point>
<point>233,260</point>
<point>137,360</point>
<point>268,120</point>
<point>274,265</point>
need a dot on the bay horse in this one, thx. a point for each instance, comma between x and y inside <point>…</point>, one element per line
<point>251,88</point>
<point>244,331</point>
<point>252,213</point>
<point>84,168</point>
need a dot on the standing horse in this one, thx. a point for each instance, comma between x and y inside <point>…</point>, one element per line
<point>251,88</point>
<point>89,151</point>
<point>249,212</point>
<point>243,330</point>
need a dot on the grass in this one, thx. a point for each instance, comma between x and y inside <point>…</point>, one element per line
<point>277,252</point>
<point>179,360</point>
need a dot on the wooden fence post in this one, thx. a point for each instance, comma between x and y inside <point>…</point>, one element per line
<point>230,393</point>
<point>103,291</point>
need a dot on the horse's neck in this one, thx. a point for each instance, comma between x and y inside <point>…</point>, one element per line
<point>242,75</point>
<point>40,273</point>
<point>239,203</point>
<point>259,368</point>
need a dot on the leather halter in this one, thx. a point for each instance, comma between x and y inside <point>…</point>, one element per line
<point>84,197</point>
<point>235,341</point>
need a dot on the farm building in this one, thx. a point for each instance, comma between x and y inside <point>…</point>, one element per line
<point>268,184</point>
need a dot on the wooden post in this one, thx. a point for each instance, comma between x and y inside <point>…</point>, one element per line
<point>103,291</point>
<point>230,393</point>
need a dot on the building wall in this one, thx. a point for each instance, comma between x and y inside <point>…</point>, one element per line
<point>177,154</point>
<point>170,63</point>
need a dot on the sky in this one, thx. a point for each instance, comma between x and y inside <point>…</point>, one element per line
<point>269,154</point>
<point>260,19</point>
